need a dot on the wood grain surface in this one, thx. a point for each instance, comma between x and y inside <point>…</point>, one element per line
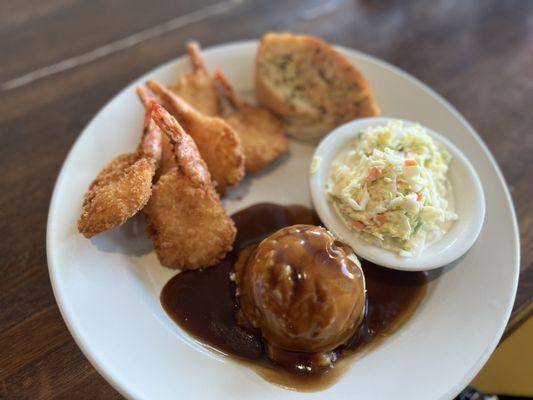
<point>61,60</point>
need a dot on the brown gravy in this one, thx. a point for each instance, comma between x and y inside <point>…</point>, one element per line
<point>203,303</point>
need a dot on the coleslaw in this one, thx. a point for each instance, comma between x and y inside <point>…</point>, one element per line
<point>390,186</point>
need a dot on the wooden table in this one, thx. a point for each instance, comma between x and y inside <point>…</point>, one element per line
<point>61,60</point>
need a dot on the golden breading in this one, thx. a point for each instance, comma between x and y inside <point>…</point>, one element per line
<point>261,133</point>
<point>119,191</point>
<point>197,87</point>
<point>310,85</point>
<point>217,142</point>
<point>185,219</point>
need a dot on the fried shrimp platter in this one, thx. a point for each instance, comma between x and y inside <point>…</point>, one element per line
<point>123,186</point>
<point>261,133</point>
<point>219,145</point>
<point>197,87</point>
<point>185,219</point>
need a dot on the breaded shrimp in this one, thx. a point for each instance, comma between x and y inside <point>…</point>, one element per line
<point>262,134</point>
<point>217,142</point>
<point>197,87</point>
<point>123,187</point>
<point>185,219</point>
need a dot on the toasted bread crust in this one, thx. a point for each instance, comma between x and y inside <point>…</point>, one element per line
<point>309,84</point>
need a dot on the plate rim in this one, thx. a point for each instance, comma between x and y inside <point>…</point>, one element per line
<point>128,392</point>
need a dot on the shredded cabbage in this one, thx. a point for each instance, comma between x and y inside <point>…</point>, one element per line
<point>390,186</point>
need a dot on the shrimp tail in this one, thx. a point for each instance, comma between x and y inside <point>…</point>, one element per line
<point>195,56</point>
<point>227,88</point>
<point>171,101</point>
<point>150,145</point>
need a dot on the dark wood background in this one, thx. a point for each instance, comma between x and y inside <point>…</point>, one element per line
<point>61,60</point>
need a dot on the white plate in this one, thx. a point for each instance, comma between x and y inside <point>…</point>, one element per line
<point>108,288</point>
<point>464,182</point>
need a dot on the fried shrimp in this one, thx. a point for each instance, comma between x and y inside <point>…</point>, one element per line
<point>197,87</point>
<point>217,142</point>
<point>123,187</point>
<point>185,219</point>
<point>261,133</point>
